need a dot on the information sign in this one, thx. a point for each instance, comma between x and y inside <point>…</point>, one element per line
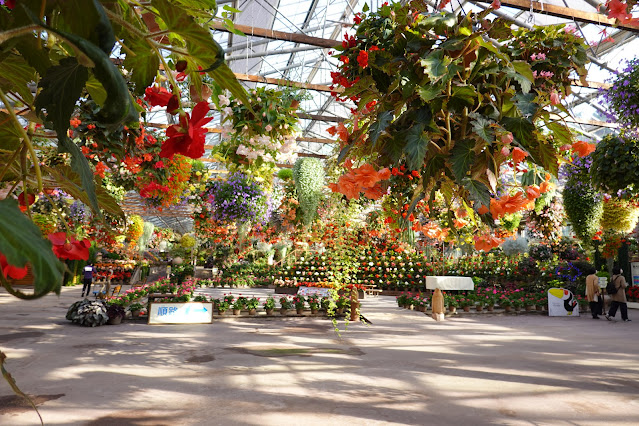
<point>634,268</point>
<point>181,313</point>
<point>562,303</point>
<point>307,291</point>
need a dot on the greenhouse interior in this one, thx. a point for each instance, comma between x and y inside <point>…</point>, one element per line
<point>257,200</point>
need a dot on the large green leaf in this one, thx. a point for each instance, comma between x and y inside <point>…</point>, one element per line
<point>462,97</point>
<point>10,134</point>
<point>143,64</point>
<point>68,180</point>
<point>384,118</point>
<point>119,107</point>
<point>429,92</point>
<point>525,105</point>
<point>482,127</point>
<point>435,64</point>
<point>87,19</point>
<point>16,75</point>
<point>524,69</point>
<point>523,81</point>
<point>96,90</point>
<point>521,128</point>
<point>545,155</point>
<point>461,158</point>
<point>416,146</point>
<point>61,87</point>
<point>80,165</point>
<point>34,54</point>
<point>22,242</point>
<point>561,133</point>
<point>477,191</point>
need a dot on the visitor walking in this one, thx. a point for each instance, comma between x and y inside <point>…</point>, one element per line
<point>619,298</point>
<point>593,293</point>
<point>88,279</point>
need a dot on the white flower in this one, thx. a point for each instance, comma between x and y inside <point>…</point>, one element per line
<point>268,128</point>
<point>223,100</point>
<point>228,111</point>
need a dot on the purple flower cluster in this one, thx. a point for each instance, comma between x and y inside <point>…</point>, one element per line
<point>238,200</point>
<point>623,97</point>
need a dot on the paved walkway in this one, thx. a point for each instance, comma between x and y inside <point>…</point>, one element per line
<point>403,369</point>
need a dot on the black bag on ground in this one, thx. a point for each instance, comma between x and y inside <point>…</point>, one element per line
<point>611,288</point>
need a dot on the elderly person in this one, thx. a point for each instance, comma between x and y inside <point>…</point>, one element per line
<point>619,298</point>
<point>593,293</point>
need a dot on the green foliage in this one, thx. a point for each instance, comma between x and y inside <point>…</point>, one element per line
<point>285,174</point>
<point>619,215</point>
<point>21,242</point>
<point>582,202</point>
<point>510,222</point>
<point>615,164</point>
<point>308,174</point>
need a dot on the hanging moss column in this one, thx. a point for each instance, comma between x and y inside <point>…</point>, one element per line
<point>308,174</point>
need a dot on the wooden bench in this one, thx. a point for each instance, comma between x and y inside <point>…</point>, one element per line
<point>372,290</point>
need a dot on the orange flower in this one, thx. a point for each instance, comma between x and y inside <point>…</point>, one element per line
<point>366,176</point>
<point>519,155</point>
<point>583,148</point>
<point>374,193</point>
<point>483,210</point>
<point>508,204</point>
<point>487,242</point>
<point>533,192</point>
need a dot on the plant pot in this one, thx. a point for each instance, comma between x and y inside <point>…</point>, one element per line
<point>269,312</point>
<point>466,308</point>
<point>283,311</point>
<point>115,320</point>
<point>452,309</point>
<point>539,308</point>
<point>490,308</point>
<point>221,311</point>
<point>135,314</point>
<point>508,308</point>
<point>422,309</point>
<point>236,311</point>
<point>528,308</point>
<point>339,311</point>
<point>583,308</point>
<point>252,311</point>
<point>300,311</point>
<point>314,311</point>
<point>479,308</point>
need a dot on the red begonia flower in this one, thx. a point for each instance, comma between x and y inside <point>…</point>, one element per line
<point>11,271</point>
<point>188,137</point>
<point>70,248</point>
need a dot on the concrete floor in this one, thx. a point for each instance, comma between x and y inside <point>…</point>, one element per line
<point>403,369</point>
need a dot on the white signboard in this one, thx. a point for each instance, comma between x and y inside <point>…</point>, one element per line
<point>181,313</point>
<point>307,291</point>
<point>449,283</point>
<point>634,267</point>
<point>562,303</point>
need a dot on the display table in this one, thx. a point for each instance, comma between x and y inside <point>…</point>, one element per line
<point>449,283</point>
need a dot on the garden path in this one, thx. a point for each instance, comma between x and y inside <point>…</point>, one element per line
<point>403,369</point>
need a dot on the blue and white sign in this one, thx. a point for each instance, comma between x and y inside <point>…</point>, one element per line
<point>307,291</point>
<point>181,313</point>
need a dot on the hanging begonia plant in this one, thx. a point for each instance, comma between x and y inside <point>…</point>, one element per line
<point>68,49</point>
<point>259,135</point>
<point>308,175</point>
<point>582,202</point>
<point>615,165</point>
<point>437,100</point>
